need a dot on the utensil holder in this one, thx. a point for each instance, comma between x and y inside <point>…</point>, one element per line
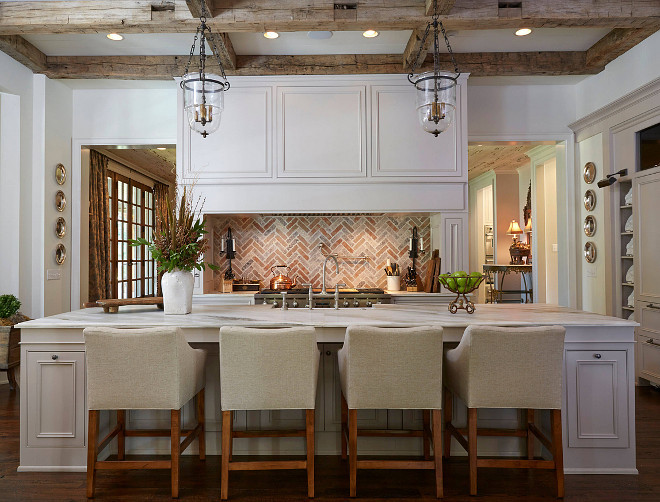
<point>394,283</point>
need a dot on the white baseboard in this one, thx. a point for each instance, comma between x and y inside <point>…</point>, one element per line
<point>52,468</point>
<point>603,470</point>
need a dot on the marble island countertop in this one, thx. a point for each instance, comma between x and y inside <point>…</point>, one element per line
<point>380,315</point>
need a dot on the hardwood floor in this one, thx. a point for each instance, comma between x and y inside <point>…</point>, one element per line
<point>201,480</point>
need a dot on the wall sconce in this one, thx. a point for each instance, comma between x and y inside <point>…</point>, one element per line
<point>228,248</point>
<point>611,178</point>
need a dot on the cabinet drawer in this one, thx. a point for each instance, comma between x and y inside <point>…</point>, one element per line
<point>55,393</point>
<point>597,398</point>
<point>649,317</point>
<point>649,355</point>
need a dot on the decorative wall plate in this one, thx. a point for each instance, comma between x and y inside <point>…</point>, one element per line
<point>60,174</point>
<point>590,252</point>
<point>60,254</point>
<point>589,200</point>
<point>60,201</point>
<point>60,227</point>
<point>589,172</point>
<point>589,226</point>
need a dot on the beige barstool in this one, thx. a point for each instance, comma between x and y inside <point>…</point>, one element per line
<point>392,368</point>
<point>142,369</point>
<point>496,367</point>
<point>267,369</point>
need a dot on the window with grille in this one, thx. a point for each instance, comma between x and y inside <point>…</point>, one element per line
<point>133,269</point>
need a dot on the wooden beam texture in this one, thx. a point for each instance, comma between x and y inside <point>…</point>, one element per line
<point>166,67</point>
<point>410,54</point>
<point>23,52</point>
<point>169,16</point>
<point>444,7</point>
<point>615,43</point>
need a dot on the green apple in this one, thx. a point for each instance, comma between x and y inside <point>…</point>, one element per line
<point>451,283</point>
<point>462,282</point>
<point>460,273</point>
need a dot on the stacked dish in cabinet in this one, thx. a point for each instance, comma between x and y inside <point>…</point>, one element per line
<point>627,251</point>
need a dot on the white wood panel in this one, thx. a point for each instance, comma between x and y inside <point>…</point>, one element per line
<point>399,145</point>
<point>321,131</point>
<point>646,194</point>
<point>241,147</point>
<point>55,391</point>
<point>597,390</point>
<point>649,355</point>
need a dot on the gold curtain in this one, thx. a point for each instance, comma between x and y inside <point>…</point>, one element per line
<point>100,285</point>
<point>161,195</point>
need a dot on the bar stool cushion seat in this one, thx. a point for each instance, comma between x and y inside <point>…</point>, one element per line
<point>148,368</point>
<point>492,367</point>
<point>383,373</point>
<point>269,369</point>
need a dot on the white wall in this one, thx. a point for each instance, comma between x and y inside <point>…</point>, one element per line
<point>639,66</point>
<point>16,79</point>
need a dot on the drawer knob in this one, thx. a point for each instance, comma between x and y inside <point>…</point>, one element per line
<point>54,357</point>
<point>328,353</point>
<point>597,356</point>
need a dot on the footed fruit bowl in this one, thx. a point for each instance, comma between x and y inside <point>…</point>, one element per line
<point>461,284</point>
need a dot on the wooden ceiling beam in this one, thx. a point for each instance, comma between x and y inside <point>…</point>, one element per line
<point>170,16</point>
<point>195,8</point>
<point>444,7</point>
<point>23,52</point>
<point>615,43</point>
<point>414,50</point>
<point>166,67</point>
<point>222,41</point>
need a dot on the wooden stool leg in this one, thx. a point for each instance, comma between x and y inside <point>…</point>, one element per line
<point>472,449</point>
<point>231,436</point>
<point>309,429</point>
<point>558,453</point>
<point>175,449</point>
<point>92,446</point>
<point>121,435</point>
<point>11,376</point>
<point>426,420</point>
<point>447,413</point>
<point>530,436</point>
<point>201,420</point>
<point>352,450</point>
<point>437,440</point>
<point>344,425</point>
<point>226,438</point>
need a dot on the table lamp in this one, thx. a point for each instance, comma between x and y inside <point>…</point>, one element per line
<point>517,250</point>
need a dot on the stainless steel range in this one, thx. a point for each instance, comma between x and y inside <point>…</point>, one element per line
<point>299,298</point>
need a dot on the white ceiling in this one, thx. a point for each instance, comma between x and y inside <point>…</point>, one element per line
<point>297,43</point>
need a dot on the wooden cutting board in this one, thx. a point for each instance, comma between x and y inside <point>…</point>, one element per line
<point>111,305</point>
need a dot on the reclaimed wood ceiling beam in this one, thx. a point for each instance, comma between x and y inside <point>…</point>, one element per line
<point>615,43</point>
<point>169,16</point>
<point>444,7</point>
<point>23,52</point>
<point>166,67</point>
<point>222,41</point>
<point>414,50</point>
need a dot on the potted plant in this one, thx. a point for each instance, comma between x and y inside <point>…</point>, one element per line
<point>10,337</point>
<point>178,249</point>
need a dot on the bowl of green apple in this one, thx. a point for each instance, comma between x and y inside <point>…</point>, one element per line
<point>461,283</point>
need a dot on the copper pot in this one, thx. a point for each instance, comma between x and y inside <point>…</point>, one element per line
<point>281,282</point>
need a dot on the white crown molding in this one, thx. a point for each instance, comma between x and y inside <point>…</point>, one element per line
<point>632,98</point>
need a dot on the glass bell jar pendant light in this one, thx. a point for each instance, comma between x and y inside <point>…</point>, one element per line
<point>203,93</point>
<point>436,90</point>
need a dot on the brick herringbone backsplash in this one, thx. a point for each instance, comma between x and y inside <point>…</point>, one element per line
<point>264,240</point>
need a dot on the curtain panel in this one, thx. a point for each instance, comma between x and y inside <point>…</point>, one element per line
<point>99,228</point>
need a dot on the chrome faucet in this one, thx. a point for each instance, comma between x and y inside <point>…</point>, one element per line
<point>337,286</point>
<point>334,257</point>
<point>310,292</point>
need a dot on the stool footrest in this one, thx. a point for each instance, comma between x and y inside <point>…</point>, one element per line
<point>268,465</point>
<point>498,432</point>
<point>396,464</point>
<point>269,434</point>
<point>132,464</point>
<point>153,432</point>
<point>390,433</point>
<point>516,463</point>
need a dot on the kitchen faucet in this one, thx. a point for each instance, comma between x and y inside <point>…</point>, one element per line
<point>334,257</point>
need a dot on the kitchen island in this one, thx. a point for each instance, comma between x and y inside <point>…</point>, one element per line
<point>598,409</point>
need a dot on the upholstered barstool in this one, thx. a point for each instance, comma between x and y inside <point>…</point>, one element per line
<point>267,369</point>
<point>518,368</point>
<point>142,369</point>
<point>392,368</point>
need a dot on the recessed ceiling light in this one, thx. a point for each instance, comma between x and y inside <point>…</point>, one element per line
<point>319,35</point>
<point>115,36</point>
<point>271,34</point>
<point>370,34</point>
<point>523,31</point>
<point>161,148</point>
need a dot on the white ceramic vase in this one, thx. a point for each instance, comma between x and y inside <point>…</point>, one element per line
<point>177,291</point>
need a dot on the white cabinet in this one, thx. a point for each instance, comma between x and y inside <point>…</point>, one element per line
<point>646,193</point>
<point>55,394</point>
<point>648,348</point>
<point>321,132</point>
<point>399,146</point>
<point>597,393</point>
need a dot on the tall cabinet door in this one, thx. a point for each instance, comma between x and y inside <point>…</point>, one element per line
<point>646,197</point>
